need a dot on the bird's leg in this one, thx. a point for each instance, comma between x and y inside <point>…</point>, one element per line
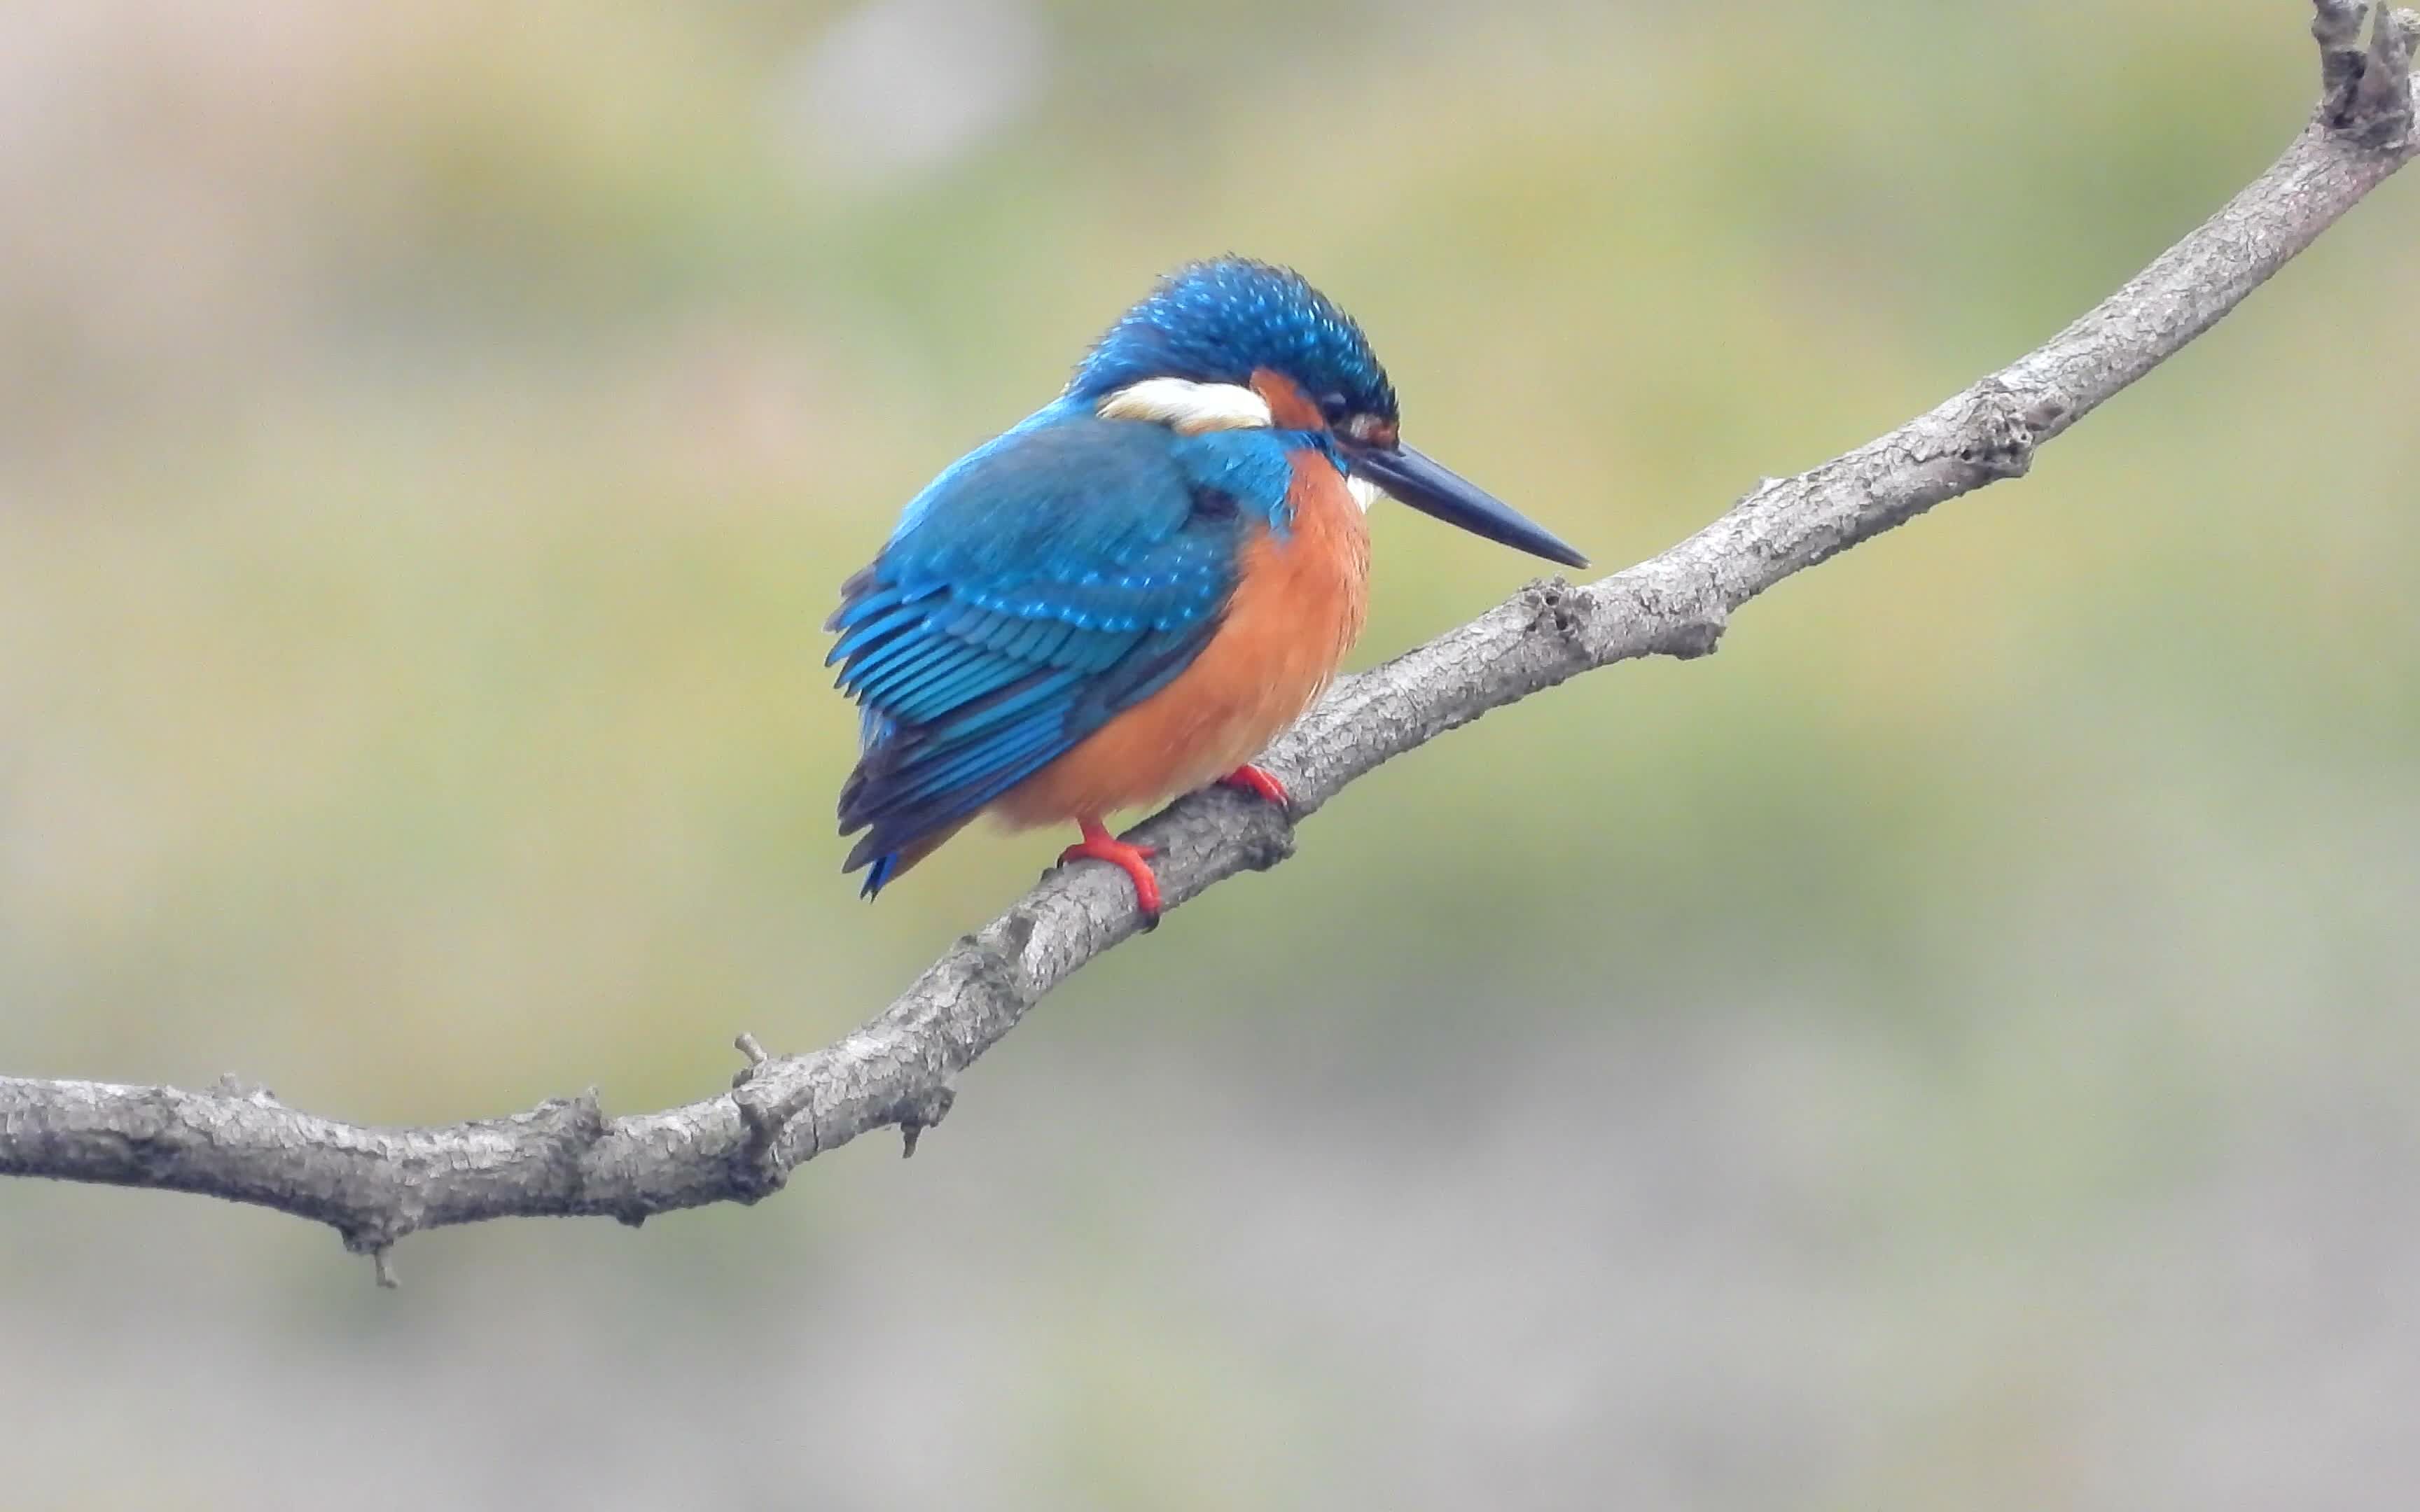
<point>1098,844</point>
<point>1262,783</point>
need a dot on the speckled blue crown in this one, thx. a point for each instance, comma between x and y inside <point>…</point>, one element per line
<point>1216,322</point>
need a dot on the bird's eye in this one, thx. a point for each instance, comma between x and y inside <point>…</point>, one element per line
<point>1333,406</point>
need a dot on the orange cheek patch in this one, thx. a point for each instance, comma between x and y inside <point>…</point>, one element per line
<point>1289,408</point>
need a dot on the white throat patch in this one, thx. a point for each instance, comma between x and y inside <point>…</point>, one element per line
<point>1364,492</point>
<point>1185,406</point>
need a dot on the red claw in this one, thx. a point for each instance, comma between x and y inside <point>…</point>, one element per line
<point>1261,782</point>
<point>1098,844</point>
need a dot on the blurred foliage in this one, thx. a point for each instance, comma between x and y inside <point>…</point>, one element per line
<point>1953,1047</point>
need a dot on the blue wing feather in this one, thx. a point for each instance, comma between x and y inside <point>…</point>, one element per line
<point>1044,583</point>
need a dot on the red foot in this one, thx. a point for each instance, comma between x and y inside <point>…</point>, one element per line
<point>1098,844</point>
<point>1261,782</point>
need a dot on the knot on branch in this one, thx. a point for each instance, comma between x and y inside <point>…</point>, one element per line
<point>921,1111</point>
<point>578,1120</point>
<point>1266,838</point>
<point>1555,607</point>
<point>2001,428</point>
<point>1692,639</point>
<point>2365,90</point>
<point>1690,615</point>
<point>374,1234</point>
<point>571,1127</point>
<point>771,1093</point>
<point>232,1086</point>
<point>1684,615</point>
<point>758,1169</point>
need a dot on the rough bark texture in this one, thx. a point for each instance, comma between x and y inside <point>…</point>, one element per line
<point>565,1157</point>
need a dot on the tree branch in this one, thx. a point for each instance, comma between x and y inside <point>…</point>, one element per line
<point>376,1185</point>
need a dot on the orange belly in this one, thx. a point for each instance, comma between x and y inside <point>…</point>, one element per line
<point>1299,603</point>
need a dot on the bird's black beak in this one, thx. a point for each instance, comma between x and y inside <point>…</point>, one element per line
<point>1413,479</point>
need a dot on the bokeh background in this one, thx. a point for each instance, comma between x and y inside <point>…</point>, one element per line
<point>1956,1048</point>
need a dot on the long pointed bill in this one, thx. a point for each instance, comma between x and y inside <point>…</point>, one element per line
<point>1413,479</point>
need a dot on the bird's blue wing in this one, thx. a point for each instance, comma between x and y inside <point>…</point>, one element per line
<point>1047,581</point>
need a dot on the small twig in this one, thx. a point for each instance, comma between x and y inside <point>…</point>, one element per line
<point>751,1052</point>
<point>2365,91</point>
<point>2335,25</point>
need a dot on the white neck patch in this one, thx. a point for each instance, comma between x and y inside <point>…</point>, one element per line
<point>1185,406</point>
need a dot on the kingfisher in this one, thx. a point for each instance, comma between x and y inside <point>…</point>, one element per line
<point>1127,594</point>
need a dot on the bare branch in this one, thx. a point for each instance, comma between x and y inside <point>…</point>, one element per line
<point>374,1186</point>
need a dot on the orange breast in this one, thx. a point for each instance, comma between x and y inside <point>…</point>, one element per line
<point>1299,603</point>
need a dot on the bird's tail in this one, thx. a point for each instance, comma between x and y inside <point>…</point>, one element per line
<point>891,865</point>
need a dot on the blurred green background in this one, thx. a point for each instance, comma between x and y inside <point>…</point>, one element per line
<point>1954,1048</point>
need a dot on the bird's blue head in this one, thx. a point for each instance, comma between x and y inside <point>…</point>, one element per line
<point>1221,321</point>
<point>1232,341</point>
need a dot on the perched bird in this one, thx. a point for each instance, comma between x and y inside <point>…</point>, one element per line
<point>1131,592</point>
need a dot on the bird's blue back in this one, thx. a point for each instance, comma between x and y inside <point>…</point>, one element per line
<point>1046,581</point>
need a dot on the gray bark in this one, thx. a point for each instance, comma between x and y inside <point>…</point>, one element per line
<point>376,1185</point>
